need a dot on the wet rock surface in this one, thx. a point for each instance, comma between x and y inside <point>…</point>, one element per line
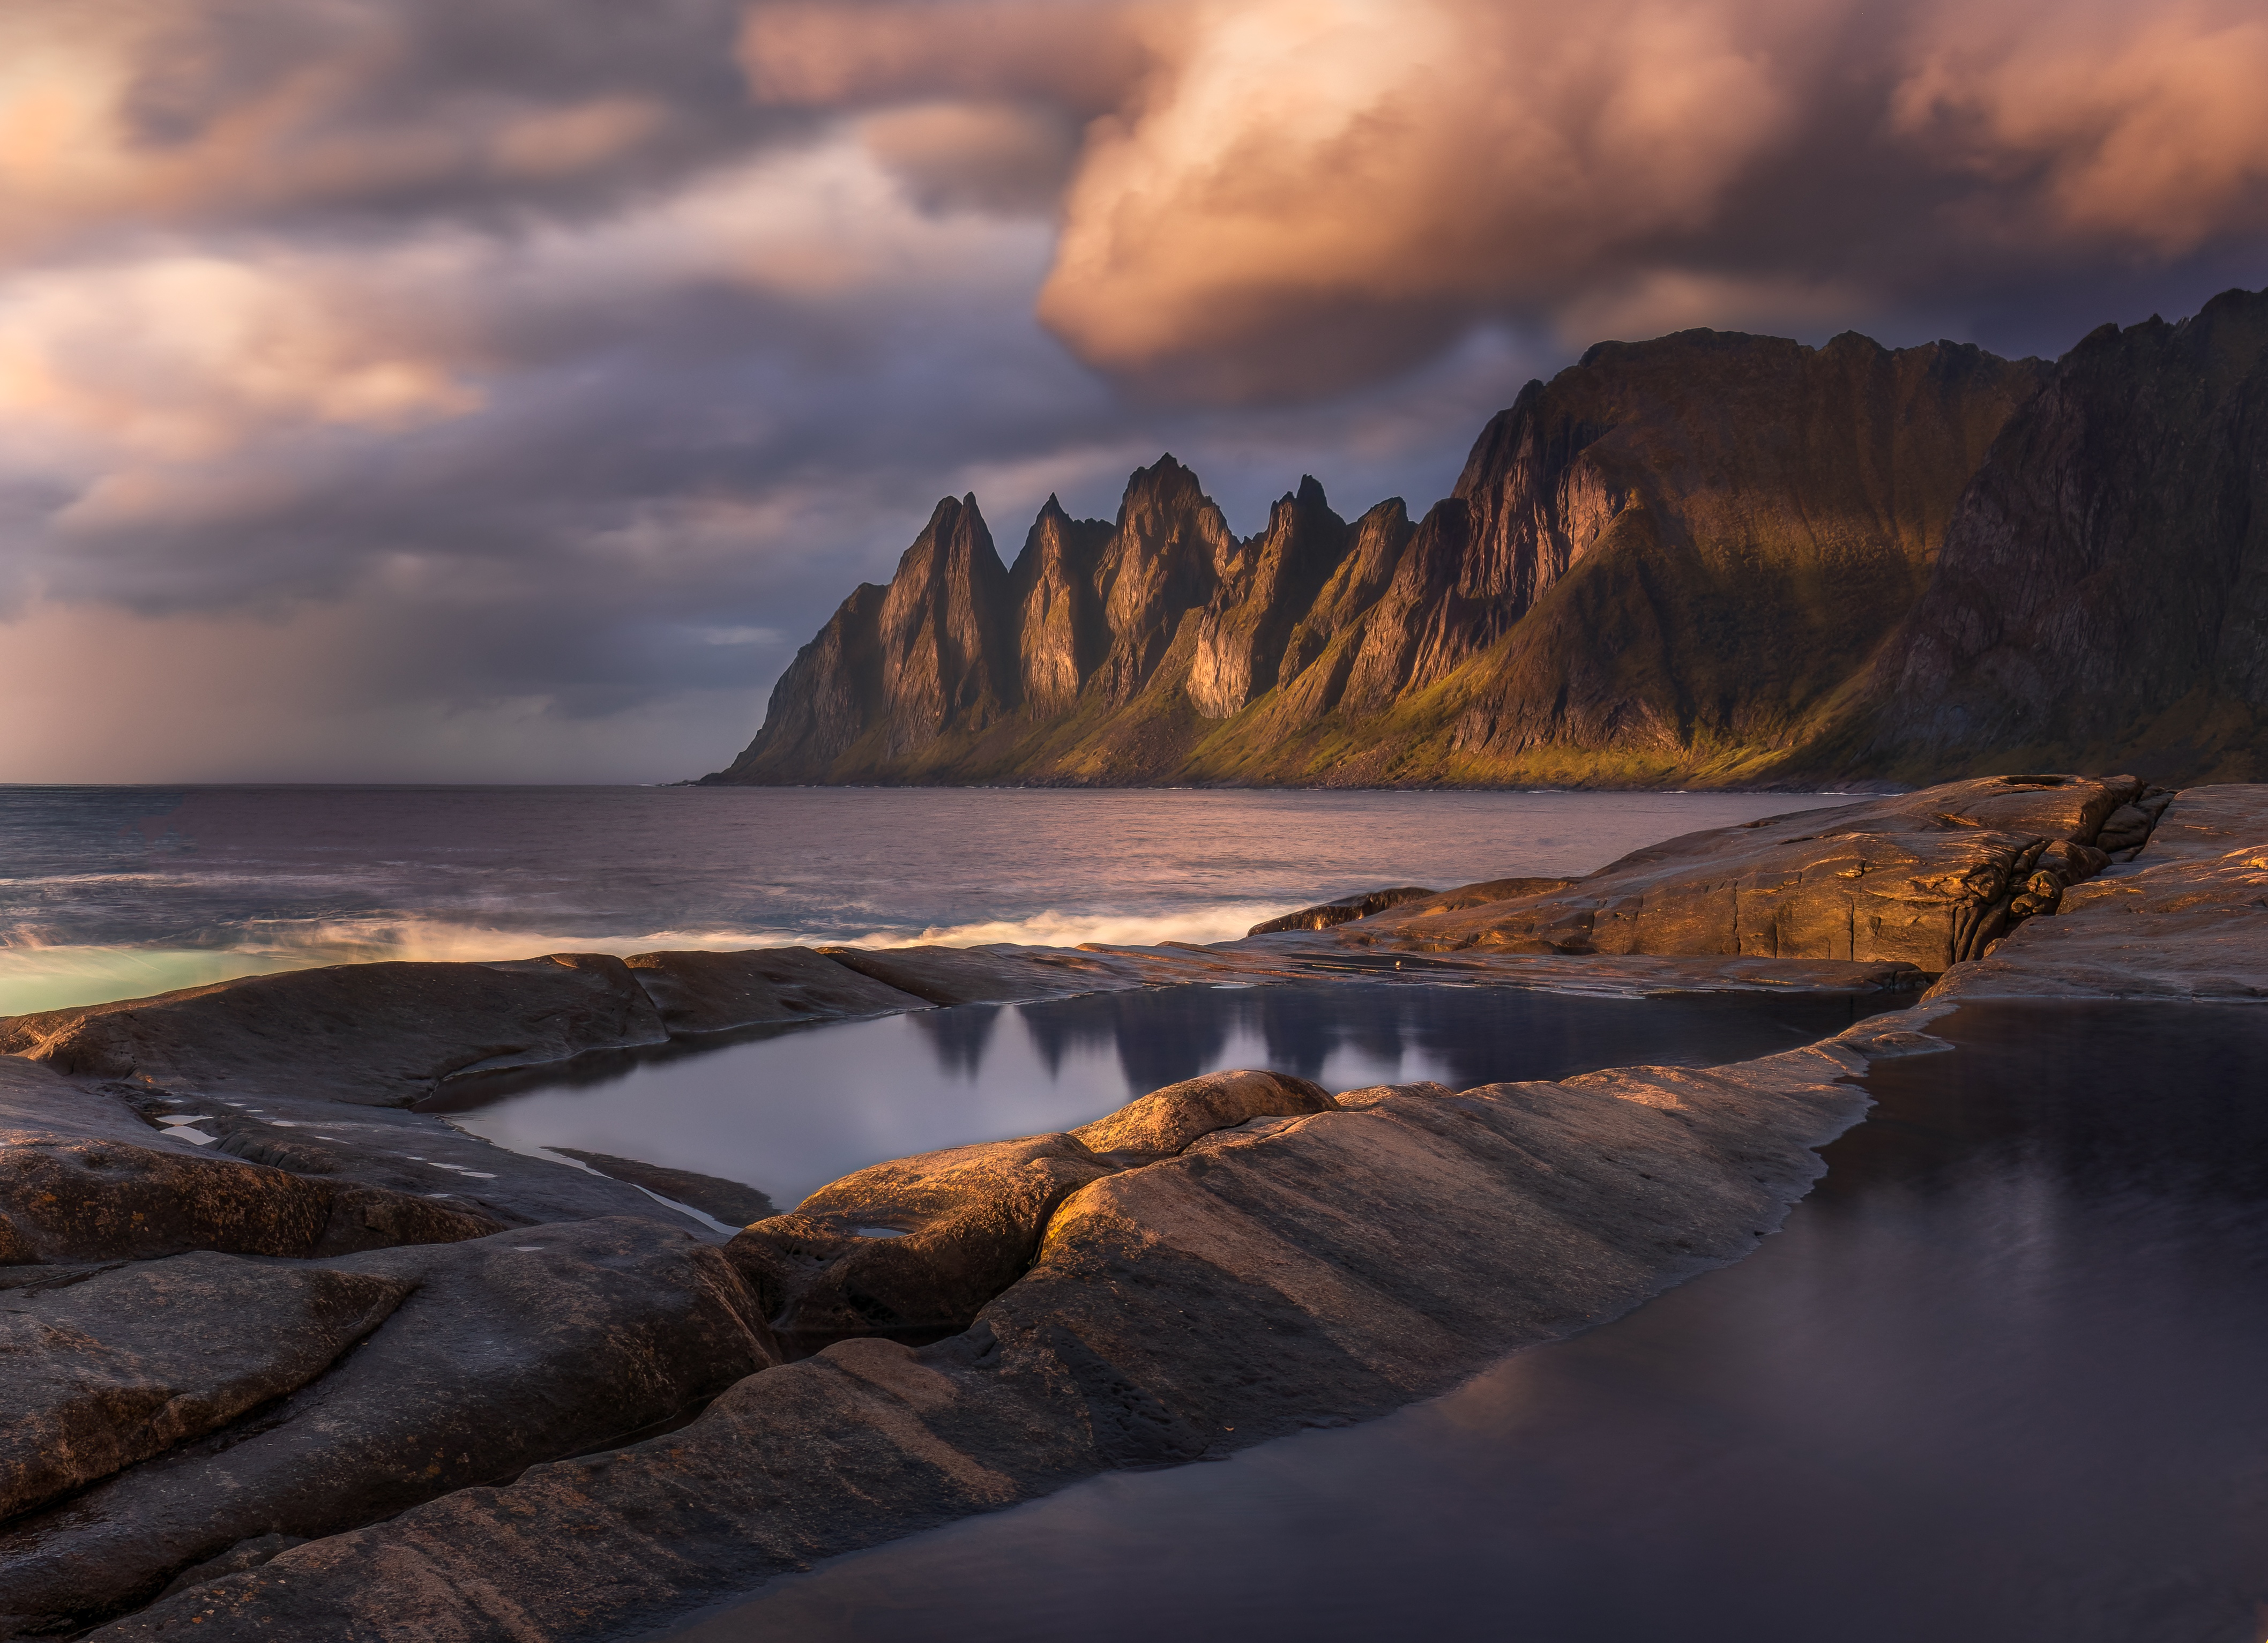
<point>735,1203</point>
<point>74,1201</point>
<point>2186,918</point>
<point>132,1360</point>
<point>384,1035</point>
<point>1332,1267</point>
<point>1927,879</point>
<point>716,993</point>
<point>912,1249</point>
<point>500,1354</point>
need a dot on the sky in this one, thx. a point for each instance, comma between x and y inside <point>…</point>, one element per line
<point>503,390</point>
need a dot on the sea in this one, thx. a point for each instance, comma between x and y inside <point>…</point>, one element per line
<point>122,892</point>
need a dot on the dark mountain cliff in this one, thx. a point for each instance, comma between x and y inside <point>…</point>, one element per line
<point>1707,558</point>
<point>2103,592</point>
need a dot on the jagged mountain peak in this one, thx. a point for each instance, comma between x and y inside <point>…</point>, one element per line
<point>1709,556</point>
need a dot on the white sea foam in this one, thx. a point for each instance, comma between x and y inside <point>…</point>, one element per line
<point>38,975</point>
<point>1220,921</point>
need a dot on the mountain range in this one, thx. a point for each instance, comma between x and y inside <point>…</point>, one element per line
<point>1710,559</point>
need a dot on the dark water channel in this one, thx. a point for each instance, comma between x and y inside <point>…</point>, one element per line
<point>789,1112</point>
<point>2003,1377</point>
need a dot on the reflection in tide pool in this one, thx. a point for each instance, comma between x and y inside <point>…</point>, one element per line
<point>792,1112</point>
<point>1998,1381</point>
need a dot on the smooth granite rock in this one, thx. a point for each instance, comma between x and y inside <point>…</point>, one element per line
<point>735,1203</point>
<point>510,1350</point>
<point>134,1361</point>
<point>1926,879</point>
<point>911,1249</point>
<point>715,992</point>
<point>1167,1120</point>
<point>2207,823</point>
<point>948,976</point>
<point>415,1153</point>
<point>2187,920</point>
<point>379,1034</point>
<point>80,1201</point>
<point>38,1103</point>
<point>1330,1266</point>
<point>1324,915</point>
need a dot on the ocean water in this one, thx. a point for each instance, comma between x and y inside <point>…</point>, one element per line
<point>1998,1380</point>
<point>788,1111</point>
<point>121,892</point>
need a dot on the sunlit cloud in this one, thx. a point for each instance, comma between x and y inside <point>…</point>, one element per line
<point>2142,125</point>
<point>1281,197</point>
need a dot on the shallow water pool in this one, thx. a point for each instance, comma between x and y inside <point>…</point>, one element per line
<point>792,1110</point>
<point>1999,1380</point>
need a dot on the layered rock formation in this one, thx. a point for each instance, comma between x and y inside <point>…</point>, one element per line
<point>1226,1280</point>
<point>1927,879</point>
<point>1709,558</point>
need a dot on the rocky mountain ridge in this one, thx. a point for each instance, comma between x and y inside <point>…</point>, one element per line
<point>1707,559</point>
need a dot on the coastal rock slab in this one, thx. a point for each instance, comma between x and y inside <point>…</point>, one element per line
<point>1412,899</point>
<point>912,1249</point>
<point>715,992</point>
<point>2207,823</point>
<point>1333,1266</point>
<point>1924,879</point>
<point>508,1351</point>
<point>1167,1120</point>
<point>1300,957</point>
<point>735,1203</point>
<point>948,976</point>
<point>131,1361</point>
<point>2193,927</point>
<point>1324,915</point>
<point>417,1154</point>
<point>78,1201</point>
<point>384,1034</point>
<point>39,1104</point>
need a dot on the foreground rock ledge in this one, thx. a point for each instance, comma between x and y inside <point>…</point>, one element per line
<point>1288,1271</point>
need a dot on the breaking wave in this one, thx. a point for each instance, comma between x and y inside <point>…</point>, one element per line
<point>1222,921</point>
<point>37,974</point>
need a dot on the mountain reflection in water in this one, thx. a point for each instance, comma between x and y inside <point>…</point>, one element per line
<point>1998,1381</point>
<point>790,1111</point>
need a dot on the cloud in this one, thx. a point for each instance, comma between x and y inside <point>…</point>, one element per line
<point>2144,127</point>
<point>1084,55</point>
<point>1324,187</point>
<point>172,114</point>
<point>975,157</point>
<point>1278,198</point>
<point>183,356</point>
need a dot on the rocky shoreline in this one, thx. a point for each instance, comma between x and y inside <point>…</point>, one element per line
<point>300,1360</point>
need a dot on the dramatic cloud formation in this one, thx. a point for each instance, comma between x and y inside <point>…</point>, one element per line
<point>411,388</point>
<point>1285,195</point>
